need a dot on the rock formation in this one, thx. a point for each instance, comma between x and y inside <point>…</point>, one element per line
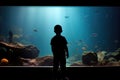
<point>14,51</point>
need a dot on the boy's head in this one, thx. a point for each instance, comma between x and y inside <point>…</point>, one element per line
<point>57,29</point>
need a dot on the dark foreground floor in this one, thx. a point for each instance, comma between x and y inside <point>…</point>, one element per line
<point>45,73</point>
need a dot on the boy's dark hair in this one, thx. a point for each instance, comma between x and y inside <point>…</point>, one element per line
<point>57,29</point>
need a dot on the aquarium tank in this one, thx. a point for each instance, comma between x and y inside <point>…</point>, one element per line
<point>92,33</point>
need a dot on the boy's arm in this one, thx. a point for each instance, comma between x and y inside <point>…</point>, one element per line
<point>66,49</point>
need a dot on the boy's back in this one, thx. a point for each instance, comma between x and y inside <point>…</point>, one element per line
<point>58,43</point>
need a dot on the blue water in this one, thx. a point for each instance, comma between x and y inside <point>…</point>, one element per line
<point>91,28</point>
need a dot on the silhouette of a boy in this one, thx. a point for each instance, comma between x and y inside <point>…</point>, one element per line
<point>60,52</point>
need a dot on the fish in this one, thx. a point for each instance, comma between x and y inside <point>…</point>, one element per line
<point>35,30</point>
<point>80,41</point>
<point>66,17</point>
<point>84,48</point>
<point>94,35</point>
<point>96,46</point>
<point>17,36</point>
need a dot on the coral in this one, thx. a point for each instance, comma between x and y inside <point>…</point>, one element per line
<point>89,58</point>
<point>101,55</point>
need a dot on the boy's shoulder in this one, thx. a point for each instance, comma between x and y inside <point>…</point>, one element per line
<point>55,36</point>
